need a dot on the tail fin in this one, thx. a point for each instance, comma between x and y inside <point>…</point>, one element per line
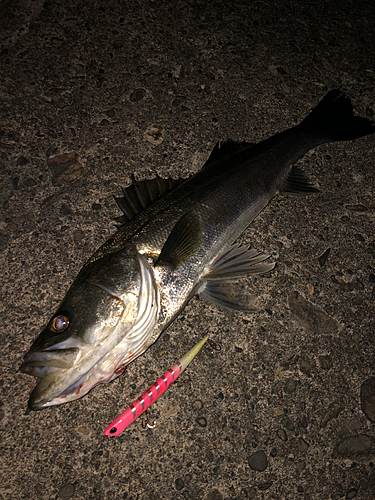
<point>333,119</point>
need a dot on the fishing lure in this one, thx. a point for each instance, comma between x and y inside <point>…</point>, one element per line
<point>153,393</point>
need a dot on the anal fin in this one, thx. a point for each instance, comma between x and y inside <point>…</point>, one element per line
<point>298,183</point>
<point>228,295</point>
<point>219,286</point>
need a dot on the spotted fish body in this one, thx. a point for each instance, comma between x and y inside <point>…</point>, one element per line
<point>176,240</point>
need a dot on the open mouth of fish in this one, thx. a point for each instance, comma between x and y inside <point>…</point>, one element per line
<point>48,366</point>
<point>51,367</point>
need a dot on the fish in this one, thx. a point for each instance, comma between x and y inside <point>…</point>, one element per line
<point>175,239</point>
<point>154,392</point>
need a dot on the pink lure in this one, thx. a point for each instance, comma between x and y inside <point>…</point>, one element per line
<point>153,393</point>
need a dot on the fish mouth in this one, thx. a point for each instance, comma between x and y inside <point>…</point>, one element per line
<point>41,362</point>
<point>47,365</point>
<point>38,399</point>
<point>62,375</point>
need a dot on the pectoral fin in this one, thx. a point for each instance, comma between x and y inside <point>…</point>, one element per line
<point>183,242</point>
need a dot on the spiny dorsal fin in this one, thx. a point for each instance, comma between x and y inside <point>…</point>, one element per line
<point>225,148</point>
<point>297,182</point>
<point>183,242</point>
<point>140,195</point>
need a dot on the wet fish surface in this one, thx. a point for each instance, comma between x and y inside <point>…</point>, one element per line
<point>176,239</point>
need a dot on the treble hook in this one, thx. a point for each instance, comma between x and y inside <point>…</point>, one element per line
<point>214,345</point>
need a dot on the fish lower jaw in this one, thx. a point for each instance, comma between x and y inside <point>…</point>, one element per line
<point>105,370</point>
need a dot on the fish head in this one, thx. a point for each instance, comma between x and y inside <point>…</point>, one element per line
<point>105,321</point>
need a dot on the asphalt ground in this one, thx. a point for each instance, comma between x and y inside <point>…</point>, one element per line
<point>282,404</point>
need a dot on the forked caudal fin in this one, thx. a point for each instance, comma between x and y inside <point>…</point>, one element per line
<point>333,119</point>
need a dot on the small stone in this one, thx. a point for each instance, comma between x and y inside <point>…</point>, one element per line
<point>179,484</point>
<point>290,385</point>
<point>312,318</point>
<point>65,209</point>
<point>356,208</point>
<point>252,493</point>
<point>197,405</point>
<point>282,435</point>
<point>78,235</point>
<point>264,486</point>
<point>202,422</point>
<point>83,430</point>
<point>258,461</point>
<point>304,422</point>
<point>368,398</point>
<point>137,95</point>
<point>22,161</point>
<point>110,113</point>
<point>355,447</point>
<point>302,446</point>
<point>351,493</point>
<point>171,409</point>
<point>359,237</point>
<point>29,182</point>
<point>106,483</point>
<point>96,206</point>
<point>324,257</point>
<point>333,412</point>
<point>67,491</point>
<point>65,168</point>
<point>154,135</point>
<point>49,202</point>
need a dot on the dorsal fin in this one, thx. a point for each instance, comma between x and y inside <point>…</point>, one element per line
<point>225,148</point>
<point>140,195</point>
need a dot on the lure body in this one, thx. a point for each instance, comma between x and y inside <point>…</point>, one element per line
<point>141,404</point>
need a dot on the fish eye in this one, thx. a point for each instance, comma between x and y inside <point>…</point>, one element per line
<point>59,323</point>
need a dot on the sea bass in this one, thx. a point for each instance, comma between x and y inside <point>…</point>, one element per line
<point>176,239</point>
